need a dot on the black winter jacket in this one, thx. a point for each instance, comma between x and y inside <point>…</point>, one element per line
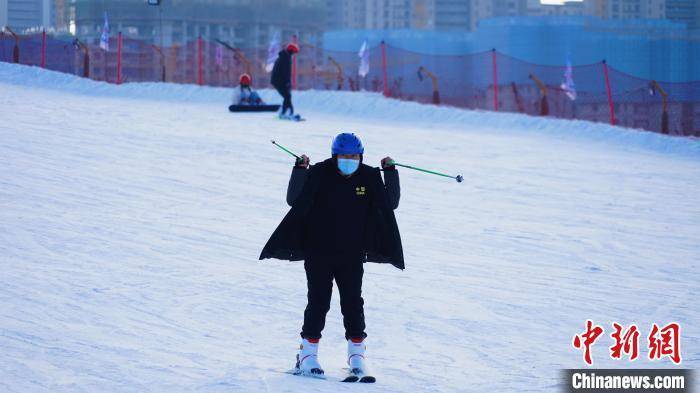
<point>282,70</point>
<point>331,214</point>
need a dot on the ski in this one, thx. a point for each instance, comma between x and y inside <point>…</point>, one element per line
<point>368,379</point>
<point>323,377</point>
<point>356,375</point>
<point>300,373</point>
<point>351,378</point>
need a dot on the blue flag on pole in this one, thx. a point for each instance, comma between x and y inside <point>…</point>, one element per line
<point>104,39</point>
<point>272,51</point>
<point>568,85</point>
<point>363,70</point>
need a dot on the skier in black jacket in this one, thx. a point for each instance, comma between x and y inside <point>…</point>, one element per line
<point>281,77</point>
<point>342,215</point>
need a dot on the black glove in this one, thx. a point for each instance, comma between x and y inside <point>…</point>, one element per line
<point>386,164</point>
<point>302,162</point>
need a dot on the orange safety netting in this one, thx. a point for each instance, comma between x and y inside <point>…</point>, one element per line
<point>466,81</point>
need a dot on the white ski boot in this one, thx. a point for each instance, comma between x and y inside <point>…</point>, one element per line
<point>357,363</point>
<point>307,360</point>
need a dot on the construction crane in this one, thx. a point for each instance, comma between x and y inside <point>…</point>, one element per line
<point>238,55</point>
<point>664,96</point>
<point>15,50</point>
<point>162,62</point>
<point>544,104</point>
<point>436,90</point>
<point>79,45</point>
<point>340,78</point>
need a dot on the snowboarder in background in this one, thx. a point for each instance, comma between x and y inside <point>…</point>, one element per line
<point>244,94</point>
<point>282,78</point>
<point>342,215</point>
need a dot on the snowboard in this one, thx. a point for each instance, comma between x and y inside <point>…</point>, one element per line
<point>253,108</point>
<point>292,118</point>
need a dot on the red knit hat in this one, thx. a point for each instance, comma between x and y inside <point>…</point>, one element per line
<point>293,48</point>
<point>245,79</point>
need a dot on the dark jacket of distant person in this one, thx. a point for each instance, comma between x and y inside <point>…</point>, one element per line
<point>282,70</point>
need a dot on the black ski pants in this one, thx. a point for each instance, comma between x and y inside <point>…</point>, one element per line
<point>286,94</point>
<point>347,272</point>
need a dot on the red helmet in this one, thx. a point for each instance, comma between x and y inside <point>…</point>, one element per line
<point>245,79</point>
<point>293,48</point>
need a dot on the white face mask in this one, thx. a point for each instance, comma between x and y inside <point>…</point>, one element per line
<point>348,166</point>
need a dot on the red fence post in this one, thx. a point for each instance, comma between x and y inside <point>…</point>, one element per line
<point>607,88</point>
<point>385,79</point>
<point>294,64</point>
<point>43,49</point>
<point>495,79</point>
<point>119,59</point>
<point>200,75</point>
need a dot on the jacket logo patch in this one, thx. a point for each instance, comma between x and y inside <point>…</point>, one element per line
<point>360,190</point>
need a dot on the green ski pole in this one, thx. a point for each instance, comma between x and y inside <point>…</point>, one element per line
<point>299,159</point>
<point>459,178</point>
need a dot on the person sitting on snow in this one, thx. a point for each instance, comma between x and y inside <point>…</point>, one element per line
<point>342,215</point>
<point>244,94</point>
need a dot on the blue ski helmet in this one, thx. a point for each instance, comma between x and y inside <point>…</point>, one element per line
<point>347,143</point>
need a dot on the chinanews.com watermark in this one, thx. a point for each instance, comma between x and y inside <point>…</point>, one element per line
<point>628,380</point>
<point>662,344</point>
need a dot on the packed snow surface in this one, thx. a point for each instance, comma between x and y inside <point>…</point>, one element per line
<point>132,217</point>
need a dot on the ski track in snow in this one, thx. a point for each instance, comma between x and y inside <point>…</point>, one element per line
<point>131,219</point>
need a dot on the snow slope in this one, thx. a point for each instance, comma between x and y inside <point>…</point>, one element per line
<point>131,219</point>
